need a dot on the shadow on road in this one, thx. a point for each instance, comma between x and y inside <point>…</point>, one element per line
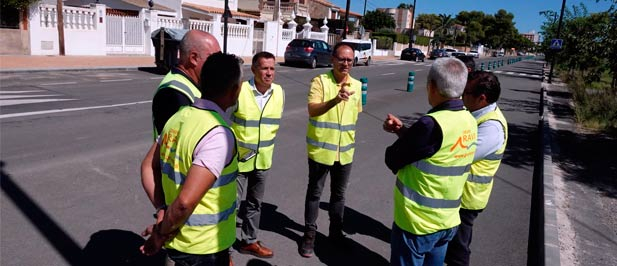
<point>47,227</point>
<point>107,247</point>
<point>118,247</point>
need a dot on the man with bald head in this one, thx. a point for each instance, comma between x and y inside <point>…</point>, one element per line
<point>333,107</point>
<point>179,87</point>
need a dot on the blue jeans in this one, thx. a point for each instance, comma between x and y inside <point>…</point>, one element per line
<point>220,258</point>
<point>417,250</point>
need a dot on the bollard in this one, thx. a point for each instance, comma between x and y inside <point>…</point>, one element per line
<point>364,81</point>
<point>410,81</point>
<point>489,65</point>
<point>481,66</point>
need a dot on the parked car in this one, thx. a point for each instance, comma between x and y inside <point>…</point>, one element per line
<point>519,53</point>
<point>498,54</point>
<point>412,54</point>
<point>363,51</point>
<point>457,54</point>
<point>473,53</point>
<point>437,53</point>
<point>449,51</point>
<point>308,51</point>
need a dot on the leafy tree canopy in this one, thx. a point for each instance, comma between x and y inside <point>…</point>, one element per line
<point>374,20</point>
<point>18,4</point>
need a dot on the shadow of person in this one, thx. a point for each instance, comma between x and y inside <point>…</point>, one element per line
<point>347,252</point>
<point>274,221</point>
<point>356,222</point>
<point>118,247</point>
<point>257,262</point>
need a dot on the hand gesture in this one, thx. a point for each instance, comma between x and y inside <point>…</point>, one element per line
<point>392,124</point>
<point>343,94</point>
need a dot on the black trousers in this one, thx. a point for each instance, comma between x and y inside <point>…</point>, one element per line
<point>339,178</point>
<point>458,249</point>
<point>220,258</point>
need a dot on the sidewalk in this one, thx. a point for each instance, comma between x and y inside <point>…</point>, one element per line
<point>37,63</point>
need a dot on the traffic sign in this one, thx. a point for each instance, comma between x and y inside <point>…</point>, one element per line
<point>556,44</point>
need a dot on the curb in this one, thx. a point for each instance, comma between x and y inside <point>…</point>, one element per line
<point>551,227</point>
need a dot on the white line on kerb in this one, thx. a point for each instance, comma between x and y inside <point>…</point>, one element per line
<point>70,109</point>
<point>59,83</point>
<point>113,80</point>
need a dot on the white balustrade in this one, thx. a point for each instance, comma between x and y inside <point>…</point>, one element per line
<point>206,26</point>
<point>172,23</point>
<point>288,34</point>
<point>76,18</point>
<point>236,30</point>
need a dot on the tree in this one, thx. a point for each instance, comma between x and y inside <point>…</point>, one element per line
<point>427,21</point>
<point>17,4</point>
<point>374,20</point>
<point>445,22</point>
<point>405,6</point>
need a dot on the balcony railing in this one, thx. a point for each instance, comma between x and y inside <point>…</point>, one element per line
<point>286,9</point>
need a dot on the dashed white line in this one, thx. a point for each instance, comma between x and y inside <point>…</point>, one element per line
<point>70,109</point>
<point>387,74</point>
<point>156,78</point>
<point>510,73</point>
<point>17,92</point>
<point>28,101</point>
<point>6,97</point>
<point>114,80</point>
<point>523,74</point>
<point>58,83</point>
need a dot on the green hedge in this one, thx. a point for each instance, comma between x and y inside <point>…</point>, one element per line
<point>383,42</point>
<point>422,40</point>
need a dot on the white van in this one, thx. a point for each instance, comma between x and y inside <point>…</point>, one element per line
<point>363,51</point>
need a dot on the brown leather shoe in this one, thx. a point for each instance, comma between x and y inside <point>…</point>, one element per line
<point>256,249</point>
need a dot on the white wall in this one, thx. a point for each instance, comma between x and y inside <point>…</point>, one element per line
<point>84,31</point>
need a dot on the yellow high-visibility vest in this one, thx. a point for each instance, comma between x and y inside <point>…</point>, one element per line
<point>212,225</point>
<point>479,184</point>
<point>179,83</point>
<point>427,195</point>
<point>335,130</point>
<point>256,129</point>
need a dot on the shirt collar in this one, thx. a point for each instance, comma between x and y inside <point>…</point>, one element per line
<point>176,70</point>
<point>210,105</point>
<point>452,105</point>
<point>484,110</point>
<point>256,92</point>
<point>331,74</point>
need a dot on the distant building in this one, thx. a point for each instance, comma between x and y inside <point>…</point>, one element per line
<point>402,17</point>
<point>532,36</point>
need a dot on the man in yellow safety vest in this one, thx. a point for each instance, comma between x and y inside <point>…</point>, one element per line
<point>431,160</point>
<point>333,106</point>
<point>256,119</point>
<point>193,166</point>
<point>480,97</point>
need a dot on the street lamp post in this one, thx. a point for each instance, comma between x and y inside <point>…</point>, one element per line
<point>550,74</point>
<point>413,25</point>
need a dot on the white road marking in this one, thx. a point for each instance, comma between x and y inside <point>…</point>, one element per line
<point>69,109</point>
<point>59,83</point>
<point>156,78</point>
<point>16,92</point>
<point>114,80</point>
<point>523,74</point>
<point>510,73</point>
<point>27,101</point>
<point>387,74</point>
<point>5,97</point>
<point>498,71</point>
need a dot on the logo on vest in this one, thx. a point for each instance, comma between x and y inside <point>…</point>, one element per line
<point>464,142</point>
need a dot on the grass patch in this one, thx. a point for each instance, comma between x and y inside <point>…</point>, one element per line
<point>595,103</point>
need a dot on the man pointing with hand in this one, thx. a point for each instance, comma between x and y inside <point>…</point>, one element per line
<point>333,107</point>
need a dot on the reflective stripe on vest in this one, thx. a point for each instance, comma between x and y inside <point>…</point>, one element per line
<point>211,226</point>
<point>179,83</point>
<point>428,192</point>
<point>425,201</point>
<point>255,128</point>
<point>479,184</point>
<point>331,136</point>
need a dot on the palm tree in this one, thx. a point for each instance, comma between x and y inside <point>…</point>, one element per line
<point>445,22</point>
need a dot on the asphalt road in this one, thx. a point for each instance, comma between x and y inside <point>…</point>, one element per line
<point>71,145</point>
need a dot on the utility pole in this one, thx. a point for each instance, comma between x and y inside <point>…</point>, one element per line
<point>346,19</point>
<point>226,16</point>
<point>60,23</point>
<point>550,74</point>
<point>364,13</point>
<point>413,25</point>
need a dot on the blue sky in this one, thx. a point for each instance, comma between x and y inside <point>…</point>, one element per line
<point>525,12</point>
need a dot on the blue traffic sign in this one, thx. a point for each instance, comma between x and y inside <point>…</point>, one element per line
<point>556,44</point>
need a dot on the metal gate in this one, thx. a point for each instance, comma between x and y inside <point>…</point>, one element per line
<point>125,35</point>
<point>258,40</point>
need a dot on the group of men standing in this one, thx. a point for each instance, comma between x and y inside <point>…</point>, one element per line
<point>214,143</point>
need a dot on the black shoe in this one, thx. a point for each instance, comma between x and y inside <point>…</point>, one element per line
<point>307,245</point>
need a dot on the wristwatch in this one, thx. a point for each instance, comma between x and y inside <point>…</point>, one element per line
<point>162,207</point>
